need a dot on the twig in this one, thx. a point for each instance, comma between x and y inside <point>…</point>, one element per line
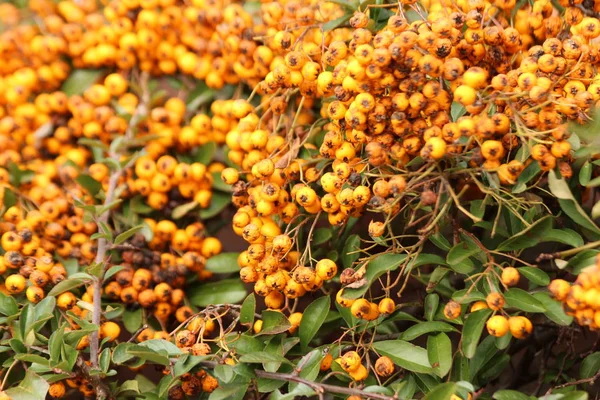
<point>567,253</point>
<point>577,382</point>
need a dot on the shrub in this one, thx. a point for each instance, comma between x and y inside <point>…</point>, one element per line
<point>406,190</point>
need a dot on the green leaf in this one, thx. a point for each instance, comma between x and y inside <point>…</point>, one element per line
<point>457,110</point>
<point>161,345</point>
<point>312,319</point>
<point>528,237</point>
<point>406,355</point>
<point>443,391</point>
<point>576,395</point>
<point>217,204</point>
<point>375,268</point>
<point>426,327</point>
<point>132,320</point>
<point>554,309</point>
<point>112,271</point>
<point>440,241</point>
<point>274,322</point>
<point>32,358</point>
<point>66,285</point>
<point>79,80</point>
<point>8,305</point>
<point>32,387</point>
<point>563,235</point>
<point>224,263</point>
<point>590,366</point>
<point>259,357</point>
<point>463,296</point>
<point>439,353</point>
<point>226,291</point>
<point>200,95</point>
<point>120,354</point>
<point>121,238</point>
<point>509,395</point>
<point>535,275</point>
<point>247,311</point>
<point>484,353</point>
<point>205,154</point>
<point>527,175</point>
<point>88,183</point>
<point>521,300</point>
<point>321,235</point>
<point>472,330</point>
<point>350,253</point>
<point>568,203</point>
<point>432,302</point>
<point>181,210</point>
<point>104,360</point>
<point>458,257</point>
<point>219,184</point>
<point>336,23</point>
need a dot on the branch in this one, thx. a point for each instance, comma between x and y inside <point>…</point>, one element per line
<point>577,382</point>
<point>319,388</point>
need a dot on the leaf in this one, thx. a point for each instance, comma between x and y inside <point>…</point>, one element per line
<point>576,395</point>
<point>463,296</point>
<point>90,184</point>
<point>528,237</point>
<point>121,238</point>
<point>568,203</point>
<point>205,153</point>
<point>248,309</point>
<point>426,327</point>
<point>439,353</point>
<point>226,291</point>
<point>554,309</point>
<point>375,268</point>
<point>274,322</point>
<point>161,345</point>
<point>528,174</point>
<point>352,245</point>
<point>432,302</point>
<point>535,275</point>
<point>336,23</point>
<point>521,300</point>
<point>104,360</point>
<point>440,241</point>
<point>484,353</point>
<point>79,80</point>
<point>321,235</point>
<point>65,286</point>
<point>472,330</point>
<point>200,95</point>
<point>224,263</point>
<point>259,357</point>
<point>563,235</point>
<point>8,305</point>
<point>457,110</point>
<point>32,387</point>
<point>510,395</point>
<point>458,257</point>
<point>312,319</point>
<point>406,355</point>
<point>112,271</point>
<point>590,366</point>
<point>120,354</point>
<point>219,184</point>
<point>181,210</point>
<point>443,391</point>
<point>132,320</point>
<point>217,204</point>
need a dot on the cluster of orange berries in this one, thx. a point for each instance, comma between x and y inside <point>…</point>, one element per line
<point>351,362</point>
<point>581,299</point>
<point>497,325</point>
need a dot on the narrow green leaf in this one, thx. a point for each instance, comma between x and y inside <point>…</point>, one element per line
<point>528,237</point>
<point>439,353</point>
<point>406,355</point>
<point>432,301</point>
<point>65,286</point>
<point>375,268</point>
<point>535,275</point>
<point>458,257</point>
<point>312,319</point>
<point>350,252</point>
<point>321,235</point>
<point>132,320</point>
<point>554,309</point>
<point>8,305</point>
<point>260,357</point>
<point>472,331</point>
<point>590,366</point>
<point>426,327</point>
<point>509,395</point>
<point>224,263</point>
<point>226,291</point>
<point>181,210</point>
<point>217,204</point>
<point>274,322</point>
<point>121,238</point>
<point>248,309</point>
<point>79,80</point>
<point>520,299</point>
<point>563,235</point>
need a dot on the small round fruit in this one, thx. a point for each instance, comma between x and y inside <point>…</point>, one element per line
<point>257,326</point>
<point>110,330</point>
<point>384,366</point>
<point>295,319</point>
<point>510,276</point>
<point>350,361</point>
<point>452,310</point>
<point>57,390</point>
<point>520,327</point>
<point>386,306</point>
<point>326,269</point>
<point>497,326</point>
<point>495,301</point>
<point>326,362</point>
<point>559,288</point>
<point>479,305</point>
<point>15,283</point>
<point>360,373</point>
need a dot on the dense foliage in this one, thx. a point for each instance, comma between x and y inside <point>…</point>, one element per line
<point>278,199</point>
